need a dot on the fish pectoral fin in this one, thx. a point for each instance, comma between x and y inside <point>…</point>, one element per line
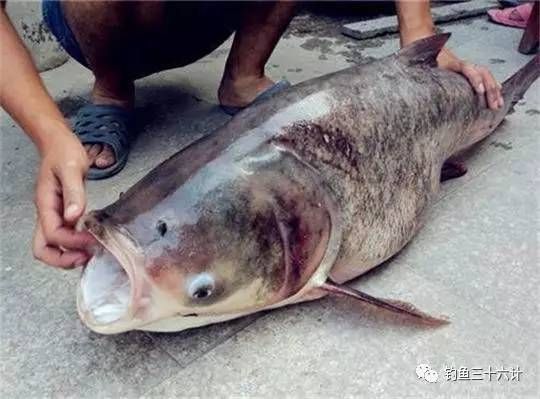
<point>423,51</point>
<point>394,306</point>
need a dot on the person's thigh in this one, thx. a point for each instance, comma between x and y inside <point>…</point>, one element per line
<point>141,38</point>
<point>198,28</point>
<point>57,24</point>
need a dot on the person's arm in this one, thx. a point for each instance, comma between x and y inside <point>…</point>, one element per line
<point>60,197</point>
<point>416,22</point>
<point>22,93</point>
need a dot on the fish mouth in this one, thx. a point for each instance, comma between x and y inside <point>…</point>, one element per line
<point>105,289</point>
<point>111,296</point>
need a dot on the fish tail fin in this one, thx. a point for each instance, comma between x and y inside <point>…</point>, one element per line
<point>394,306</point>
<point>516,85</point>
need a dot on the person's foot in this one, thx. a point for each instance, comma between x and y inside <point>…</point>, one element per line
<point>102,156</point>
<point>242,91</point>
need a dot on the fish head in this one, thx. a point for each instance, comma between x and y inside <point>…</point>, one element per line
<point>226,242</point>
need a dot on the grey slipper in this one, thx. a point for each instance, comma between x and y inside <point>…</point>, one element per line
<point>264,95</point>
<point>105,124</point>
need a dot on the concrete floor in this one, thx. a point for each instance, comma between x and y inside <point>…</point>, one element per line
<point>476,261</point>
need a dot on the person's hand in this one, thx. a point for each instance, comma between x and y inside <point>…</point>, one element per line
<point>60,201</point>
<point>479,77</point>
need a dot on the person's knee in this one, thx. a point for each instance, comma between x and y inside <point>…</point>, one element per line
<point>106,32</point>
<point>140,38</point>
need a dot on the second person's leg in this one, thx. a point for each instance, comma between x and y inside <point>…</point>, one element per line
<point>260,28</point>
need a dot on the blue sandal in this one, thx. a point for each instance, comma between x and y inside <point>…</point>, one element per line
<point>105,124</point>
<point>264,95</point>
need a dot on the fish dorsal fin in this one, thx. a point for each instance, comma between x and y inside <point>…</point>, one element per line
<point>423,51</point>
<point>394,306</point>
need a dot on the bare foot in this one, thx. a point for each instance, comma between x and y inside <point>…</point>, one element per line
<point>102,156</point>
<point>241,92</point>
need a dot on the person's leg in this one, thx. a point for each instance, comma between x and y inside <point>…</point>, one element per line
<point>101,30</point>
<point>260,28</point>
<point>123,41</point>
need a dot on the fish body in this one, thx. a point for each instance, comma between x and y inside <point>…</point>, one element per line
<point>288,200</point>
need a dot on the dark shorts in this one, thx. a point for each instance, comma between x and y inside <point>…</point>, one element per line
<point>57,24</point>
<point>184,18</point>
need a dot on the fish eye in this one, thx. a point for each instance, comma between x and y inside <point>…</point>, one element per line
<point>202,293</point>
<point>201,286</point>
<point>161,227</point>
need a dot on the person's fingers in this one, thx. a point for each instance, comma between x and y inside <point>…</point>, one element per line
<point>60,236</point>
<point>493,93</point>
<point>474,77</point>
<point>54,256</point>
<point>105,158</point>
<point>71,178</point>
<point>49,207</point>
<point>484,84</point>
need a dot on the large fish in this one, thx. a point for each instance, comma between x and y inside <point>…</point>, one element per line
<point>290,199</point>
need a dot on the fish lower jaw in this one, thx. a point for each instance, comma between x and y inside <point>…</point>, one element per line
<point>92,321</point>
<point>109,296</point>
